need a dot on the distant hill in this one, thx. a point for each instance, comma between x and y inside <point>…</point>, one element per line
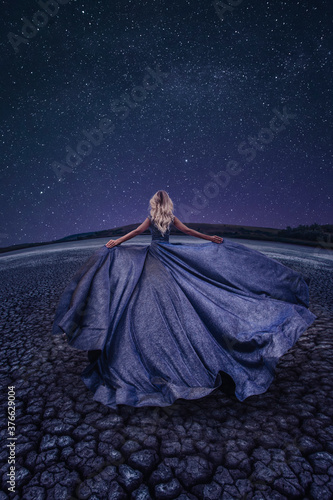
<point>313,235</point>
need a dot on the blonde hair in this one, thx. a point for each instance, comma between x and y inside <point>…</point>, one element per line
<point>161,210</point>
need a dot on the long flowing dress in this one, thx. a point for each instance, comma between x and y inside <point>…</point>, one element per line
<point>161,321</point>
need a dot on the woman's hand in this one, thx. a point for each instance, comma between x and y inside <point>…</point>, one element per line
<point>216,239</point>
<point>111,243</point>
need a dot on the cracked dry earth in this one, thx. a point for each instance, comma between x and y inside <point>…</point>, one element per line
<point>278,445</point>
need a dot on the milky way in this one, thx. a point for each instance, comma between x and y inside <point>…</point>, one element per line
<point>228,107</point>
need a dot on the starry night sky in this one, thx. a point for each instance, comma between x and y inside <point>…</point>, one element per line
<point>198,123</point>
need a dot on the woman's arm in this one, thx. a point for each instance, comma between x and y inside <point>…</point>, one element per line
<point>191,232</point>
<point>128,236</point>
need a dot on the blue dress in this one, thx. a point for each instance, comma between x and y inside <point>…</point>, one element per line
<point>161,321</point>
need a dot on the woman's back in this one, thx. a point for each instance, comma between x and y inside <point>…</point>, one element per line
<point>156,233</point>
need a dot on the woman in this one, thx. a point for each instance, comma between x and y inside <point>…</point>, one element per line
<point>162,215</point>
<point>162,321</point>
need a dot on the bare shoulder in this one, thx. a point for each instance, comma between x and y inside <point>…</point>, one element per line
<point>176,221</point>
<point>143,226</point>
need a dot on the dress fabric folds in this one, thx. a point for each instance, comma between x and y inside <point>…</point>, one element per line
<point>160,321</point>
